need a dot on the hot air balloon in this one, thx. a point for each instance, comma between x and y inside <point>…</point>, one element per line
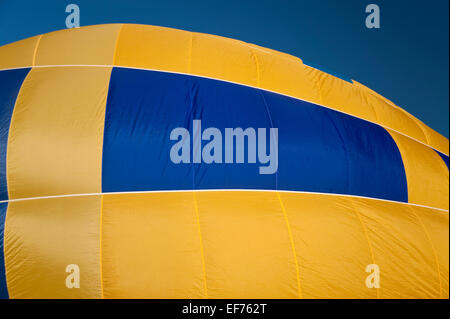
<point>147,162</point>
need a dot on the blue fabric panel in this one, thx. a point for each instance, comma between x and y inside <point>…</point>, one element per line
<point>142,108</point>
<point>10,83</point>
<point>3,287</point>
<point>320,150</point>
<point>223,105</point>
<point>444,157</point>
<point>323,150</point>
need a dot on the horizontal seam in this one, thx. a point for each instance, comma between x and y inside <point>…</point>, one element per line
<point>227,81</point>
<point>218,190</point>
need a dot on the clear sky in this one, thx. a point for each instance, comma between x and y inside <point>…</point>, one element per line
<point>406,60</point>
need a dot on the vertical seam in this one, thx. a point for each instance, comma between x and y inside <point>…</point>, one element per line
<point>291,239</point>
<point>419,125</point>
<point>9,133</point>
<point>33,63</point>
<point>432,249</point>
<point>366,98</point>
<point>317,84</point>
<point>116,45</point>
<point>255,58</point>
<point>7,177</point>
<point>194,193</point>
<point>202,253</point>
<point>102,294</point>
<point>286,219</point>
<point>190,53</point>
<point>272,126</point>
<point>366,234</point>
<point>4,250</point>
<point>7,172</point>
<point>102,289</point>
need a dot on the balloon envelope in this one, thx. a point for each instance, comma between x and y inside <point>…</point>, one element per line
<point>147,162</point>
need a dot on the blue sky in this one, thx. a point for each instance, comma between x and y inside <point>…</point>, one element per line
<point>406,60</point>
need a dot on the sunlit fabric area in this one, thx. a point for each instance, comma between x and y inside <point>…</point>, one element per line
<point>87,177</point>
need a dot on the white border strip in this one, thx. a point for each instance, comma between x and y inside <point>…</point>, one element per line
<point>219,190</point>
<point>211,78</point>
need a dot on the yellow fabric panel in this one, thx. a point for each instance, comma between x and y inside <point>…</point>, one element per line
<point>435,224</point>
<point>340,95</point>
<point>18,54</point>
<point>427,175</point>
<point>222,58</point>
<point>56,105</point>
<point>87,45</point>
<point>401,249</point>
<point>152,47</point>
<point>389,115</point>
<point>151,246</point>
<point>284,74</point>
<point>248,253</point>
<point>435,139</point>
<point>400,120</point>
<point>331,246</point>
<point>42,237</point>
<point>396,119</point>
